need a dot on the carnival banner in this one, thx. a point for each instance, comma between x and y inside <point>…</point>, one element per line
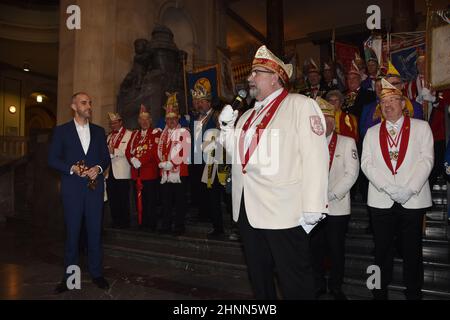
<point>345,53</point>
<point>209,72</point>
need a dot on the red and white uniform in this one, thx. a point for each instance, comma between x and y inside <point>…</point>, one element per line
<point>143,146</point>
<point>174,147</point>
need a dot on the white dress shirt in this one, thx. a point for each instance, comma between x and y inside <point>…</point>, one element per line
<point>259,105</point>
<point>84,134</point>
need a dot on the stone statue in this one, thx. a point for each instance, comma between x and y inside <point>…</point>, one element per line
<point>157,68</point>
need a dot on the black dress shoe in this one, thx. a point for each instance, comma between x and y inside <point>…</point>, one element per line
<point>101,283</point>
<point>61,287</point>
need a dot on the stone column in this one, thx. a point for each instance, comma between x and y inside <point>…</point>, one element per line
<point>96,58</point>
<point>275,27</point>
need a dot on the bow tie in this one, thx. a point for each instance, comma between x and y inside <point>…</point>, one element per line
<point>115,131</point>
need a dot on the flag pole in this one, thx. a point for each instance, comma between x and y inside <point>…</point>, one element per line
<point>185,84</point>
<point>333,41</point>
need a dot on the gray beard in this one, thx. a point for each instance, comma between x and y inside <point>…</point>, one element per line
<point>253,92</point>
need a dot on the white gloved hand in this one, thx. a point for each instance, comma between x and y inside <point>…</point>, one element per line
<point>331,196</point>
<point>161,165</point>
<point>403,195</point>
<point>187,117</point>
<point>391,189</point>
<point>227,118</point>
<point>427,95</point>
<point>136,163</point>
<point>168,165</point>
<point>313,217</point>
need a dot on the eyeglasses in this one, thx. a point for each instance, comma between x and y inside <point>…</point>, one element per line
<point>256,71</point>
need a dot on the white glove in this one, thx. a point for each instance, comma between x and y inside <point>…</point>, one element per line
<point>390,189</point>
<point>187,117</point>
<point>166,165</point>
<point>427,95</point>
<point>227,117</point>
<point>331,196</point>
<point>402,195</point>
<point>136,163</point>
<point>313,217</point>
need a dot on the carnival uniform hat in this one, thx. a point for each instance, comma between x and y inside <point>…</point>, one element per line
<point>113,116</point>
<point>392,71</point>
<point>354,69</point>
<point>327,66</point>
<point>389,90</point>
<point>371,55</point>
<point>326,107</point>
<point>312,66</point>
<point>143,113</point>
<point>202,90</point>
<point>266,59</point>
<point>171,107</point>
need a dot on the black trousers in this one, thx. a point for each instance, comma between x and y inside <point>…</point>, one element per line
<point>328,240</point>
<point>286,251</point>
<point>119,201</point>
<point>174,194</point>
<point>214,205</point>
<point>406,225</point>
<point>198,190</point>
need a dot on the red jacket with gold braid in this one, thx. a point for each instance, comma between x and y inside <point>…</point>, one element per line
<point>145,149</point>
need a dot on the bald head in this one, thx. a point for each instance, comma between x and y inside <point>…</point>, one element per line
<point>82,106</point>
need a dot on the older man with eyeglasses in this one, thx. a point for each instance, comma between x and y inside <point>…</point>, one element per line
<point>397,159</point>
<point>280,179</point>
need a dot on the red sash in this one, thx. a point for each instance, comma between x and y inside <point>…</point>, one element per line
<point>117,140</point>
<point>404,132</point>
<point>273,107</point>
<point>332,148</point>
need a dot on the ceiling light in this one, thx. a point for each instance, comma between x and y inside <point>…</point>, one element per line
<point>26,67</point>
<point>12,109</point>
<point>39,99</point>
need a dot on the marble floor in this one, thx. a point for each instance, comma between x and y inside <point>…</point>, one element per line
<point>31,267</point>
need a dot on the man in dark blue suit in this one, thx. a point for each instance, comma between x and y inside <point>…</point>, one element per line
<point>208,200</point>
<point>75,141</point>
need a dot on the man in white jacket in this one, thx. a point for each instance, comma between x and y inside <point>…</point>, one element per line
<point>397,159</point>
<point>330,233</point>
<point>280,178</point>
<point>118,175</point>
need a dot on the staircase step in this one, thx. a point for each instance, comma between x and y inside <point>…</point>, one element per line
<point>433,250</point>
<point>195,252</point>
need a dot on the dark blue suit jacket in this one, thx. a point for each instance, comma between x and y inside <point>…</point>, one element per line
<point>66,150</point>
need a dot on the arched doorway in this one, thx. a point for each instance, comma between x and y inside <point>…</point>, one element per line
<point>40,112</point>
